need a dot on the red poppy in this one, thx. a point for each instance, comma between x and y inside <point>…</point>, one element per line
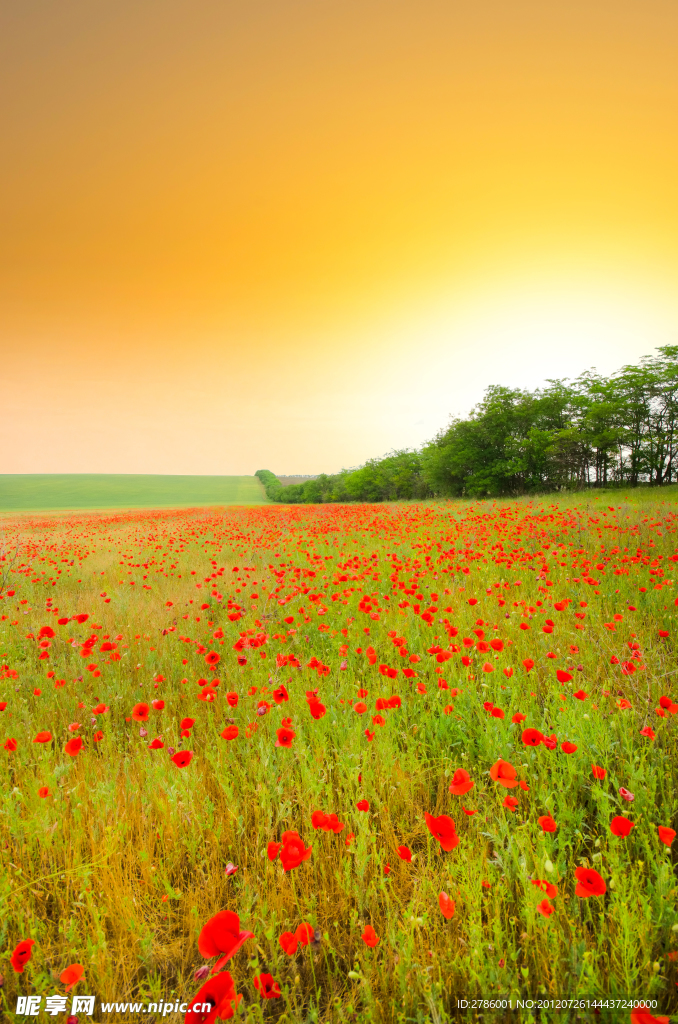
<point>589,883</point>
<point>548,887</point>
<point>647,731</point>
<point>528,663</point>
<point>232,699</point>
<point>360,708</point>
<point>157,705</point>
<point>182,758</point>
<point>293,851</point>
<point>641,1015</point>
<point>626,794</point>
<point>73,746</point>
<point>545,908</point>
<point>272,850</point>
<point>443,829</point>
<point>43,792</point>
<point>21,955</point>
<point>550,742</point>
<point>518,718</point>
<point>370,937</point>
<point>156,744</point>
<point>81,618</point>
<point>547,823</point>
<point>667,835</point>
<point>363,805</point>
<point>317,709</point>
<point>285,737</point>
<point>567,747</point>
<point>404,853</point>
<point>43,737</point>
<point>212,658</point>
<point>11,745</point>
<point>580,695</point>
<point>140,712</point>
<point>219,995</point>
<point>288,942</point>
<point>230,732</point>
<point>98,736</point>
<point>621,826</point>
<point>71,976</point>
<point>461,782</point>
<point>504,773</point>
<point>510,802</point>
<point>532,737</point>
<point>222,935</point>
<point>280,695</point>
<point>598,772</point>
<point>466,811</point>
<point>304,933</point>
<point>446,905</point>
<point>101,709</point>
<point>267,987</point>
<point>562,676</point>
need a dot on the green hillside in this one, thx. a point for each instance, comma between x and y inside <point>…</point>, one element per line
<point>23,492</point>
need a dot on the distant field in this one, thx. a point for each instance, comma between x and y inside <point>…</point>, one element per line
<point>35,491</point>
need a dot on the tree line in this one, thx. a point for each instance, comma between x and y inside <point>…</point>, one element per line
<point>593,431</point>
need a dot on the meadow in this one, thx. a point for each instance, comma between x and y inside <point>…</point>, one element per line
<point>53,491</point>
<point>420,752</point>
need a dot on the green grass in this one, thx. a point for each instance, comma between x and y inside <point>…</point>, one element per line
<point>20,492</point>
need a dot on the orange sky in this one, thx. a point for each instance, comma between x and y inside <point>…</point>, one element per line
<point>294,235</point>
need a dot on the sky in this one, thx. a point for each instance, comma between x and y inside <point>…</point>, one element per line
<point>298,234</point>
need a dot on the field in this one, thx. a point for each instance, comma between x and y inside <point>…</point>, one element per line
<point>53,491</point>
<point>465,712</point>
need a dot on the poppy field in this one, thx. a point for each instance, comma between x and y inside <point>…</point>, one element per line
<point>342,763</point>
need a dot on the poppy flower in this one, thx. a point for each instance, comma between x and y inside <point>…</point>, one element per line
<point>222,935</point>
<point>140,712</point>
<point>272,850</point>
<point>212,658</point>
<point>518,718</point>
<point>21,955</point>
<point>641,1015</point>
<point>550,742</point>
<point>503,773</point>
<point>443,829</point>
<point>43,737</point>
<point>219,995</point>
<point>267,987</point>
<point>360,708</point>
<point>547,823</point>
<point>549,888</point>
<point>43,792</point>
<point>73,746</point>
<point>532,737</point>
<point>510,802</point>
<point>285,737</point>
<point>598,772</point>
<point>528,663</point>
<point>545,908</point>
<point>11,745</point>
<point>280,695</point>
<point>461,782</point>
<point>232,699</point>
<point>466,811</point>
<point>446,905</point>
<point>293,851</point>
<point>370,937</point>
<point>71,976</point>
<point>562,676</point>
<point>620,826</point>
<point>627,795</point>
<point>363,805</point>
<point>567,747</point>
<point>667,835</point>
<point>101,709</point>
<point>288,943</point>
<point>182,758</point>
<point>157,705</point>
<point>156,744</point>
<point>589,883</point>
<point>647,731</point>
<point>304,934</point>
<point>404,853</point>
<point>317,709</point>
<point>230,732</point>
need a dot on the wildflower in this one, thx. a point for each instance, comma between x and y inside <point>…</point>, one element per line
<point>73,746</point>
<point>443,829</point>
<point>589,883</point>
<point>219,994</point>
<point>71,976</point>
<point>567,747</point>
<point>221,936</point>
<point>598,772</point>
<point>363,805</point>
<point>548,887</point>
<point>288,943</point>
<point>285,737</point>
<point>43,737</point>
<point>182,758</point>
<point>545,908</point>
<point>404,853</point>
<point>370,937</point>
<point>626,794</point>
<point>446,905</point>
<point>293,851</point>
<point>532,737</point>
<point>461,782</point>
<point>620,826</point>
<point>140,712</point>
<point>667,835</point>
<point>503,773</point>
<point>231,732</point>
<point>547,823</point>
<point>21,955</point>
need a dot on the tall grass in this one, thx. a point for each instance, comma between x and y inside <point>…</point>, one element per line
<point>122,864</point>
